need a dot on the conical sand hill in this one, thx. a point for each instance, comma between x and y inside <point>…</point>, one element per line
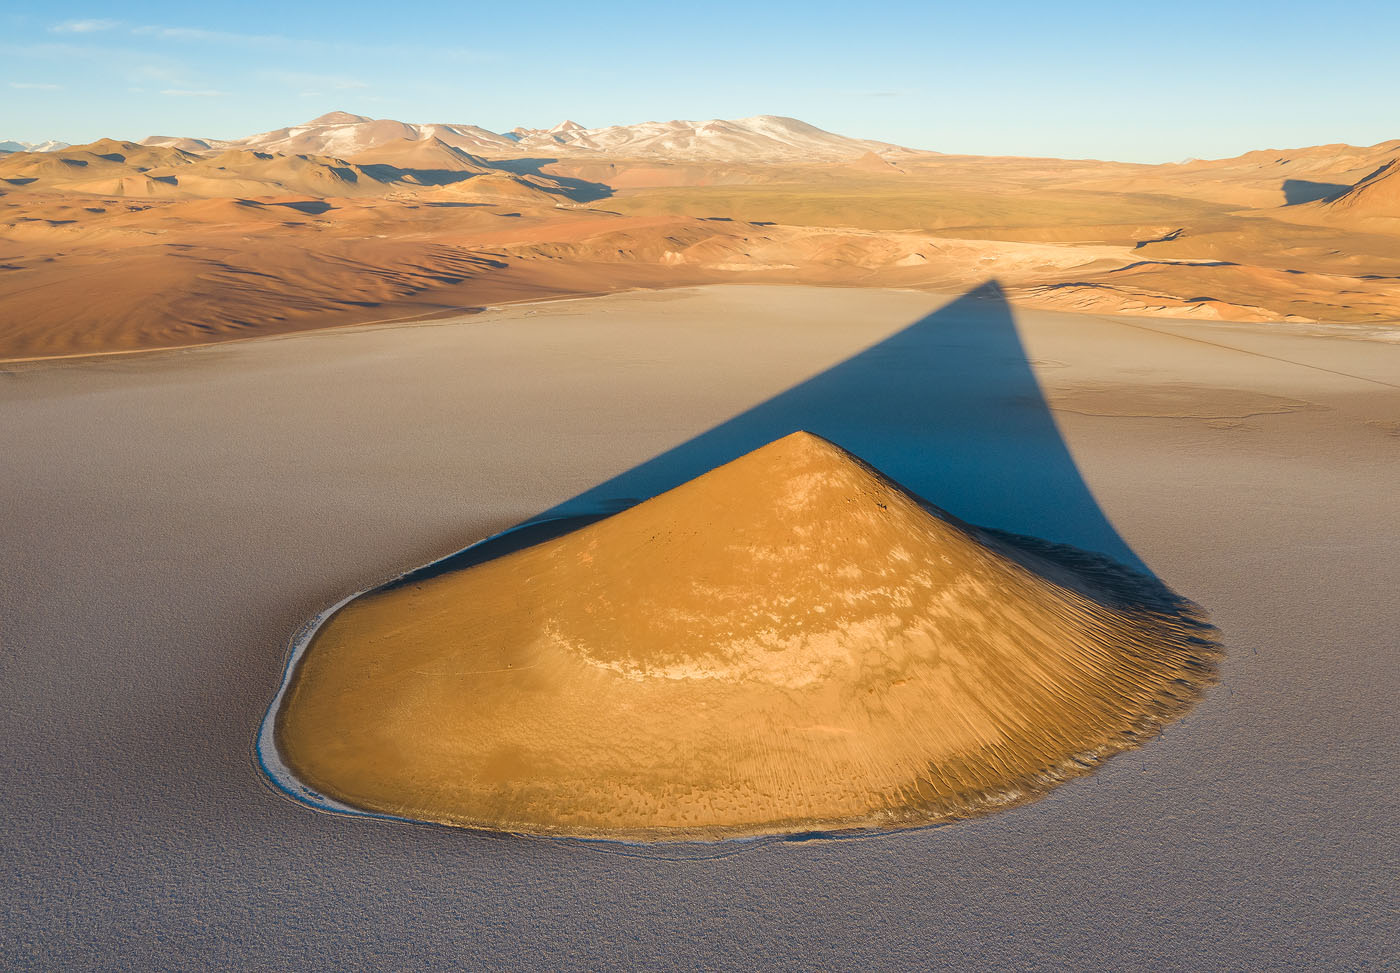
<point>790,642</point>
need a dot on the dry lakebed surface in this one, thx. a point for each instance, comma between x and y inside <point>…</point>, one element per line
<point>173,519</point>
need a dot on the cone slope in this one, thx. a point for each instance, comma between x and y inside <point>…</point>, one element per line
<point>787,643</point>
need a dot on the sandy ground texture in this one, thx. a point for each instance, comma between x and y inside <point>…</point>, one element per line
<point>172,520</point>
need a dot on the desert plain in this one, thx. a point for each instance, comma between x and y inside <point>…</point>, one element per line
<point>347,219</point>
<point>181,504</point>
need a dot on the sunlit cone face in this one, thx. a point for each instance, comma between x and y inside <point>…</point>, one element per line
<point>789,642</point>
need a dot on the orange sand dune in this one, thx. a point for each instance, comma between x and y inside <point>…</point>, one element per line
<point>790,642</point>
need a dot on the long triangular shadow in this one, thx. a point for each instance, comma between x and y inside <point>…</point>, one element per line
<point>949,407</point>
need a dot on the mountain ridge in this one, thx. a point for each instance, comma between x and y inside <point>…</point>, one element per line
<point>759,138</point>
<point>49,145</point>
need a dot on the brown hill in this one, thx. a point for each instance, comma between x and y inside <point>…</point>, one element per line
<point>1263,178</point>
<point>1330,160</point>
<point>1245,239</point>
<point>1376,195</point>
<point>113,168</point>
<point>187,143</point>
<point>338,118</point>
<point>241,172</point>
<point>106,159</point>
<point>870,162</point>
<point>345,135</point>
<point>134,154</point>
<point>762,138</point>
<point>338,133</point>
<point>429,154</point>
<point>498,187</point>
<point>789,642</point>
<point>471,138</point>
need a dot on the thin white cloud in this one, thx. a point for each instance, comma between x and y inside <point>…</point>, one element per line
<point>91,26</point>
<point>156,73</point>
<point>201,35</point>
<point>132,67</point>
<point>193,93</point>
<point>872,92</point>
<point>304,80</point>
<point>35,86</point>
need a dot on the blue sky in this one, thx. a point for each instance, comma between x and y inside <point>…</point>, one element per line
<point>1150,82</point>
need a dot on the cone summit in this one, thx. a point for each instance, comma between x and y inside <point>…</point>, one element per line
<point>789,642</point>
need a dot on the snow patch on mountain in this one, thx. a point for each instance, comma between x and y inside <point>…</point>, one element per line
<point>51,145</point>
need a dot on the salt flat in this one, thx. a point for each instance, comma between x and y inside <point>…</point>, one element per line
<point>172,519</point>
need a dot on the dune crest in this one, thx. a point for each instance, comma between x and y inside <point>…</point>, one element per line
<point>791,642</point>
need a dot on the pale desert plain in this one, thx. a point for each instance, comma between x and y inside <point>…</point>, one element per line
<point>176,517</point>
<point>889,559</point>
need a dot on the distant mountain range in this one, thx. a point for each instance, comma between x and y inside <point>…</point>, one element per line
<point>386,151</point>
<point>759,139</point>
<point>347,219</point>
<point>165,170</point>
<point>49,146</point>
<point>762,138</point>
